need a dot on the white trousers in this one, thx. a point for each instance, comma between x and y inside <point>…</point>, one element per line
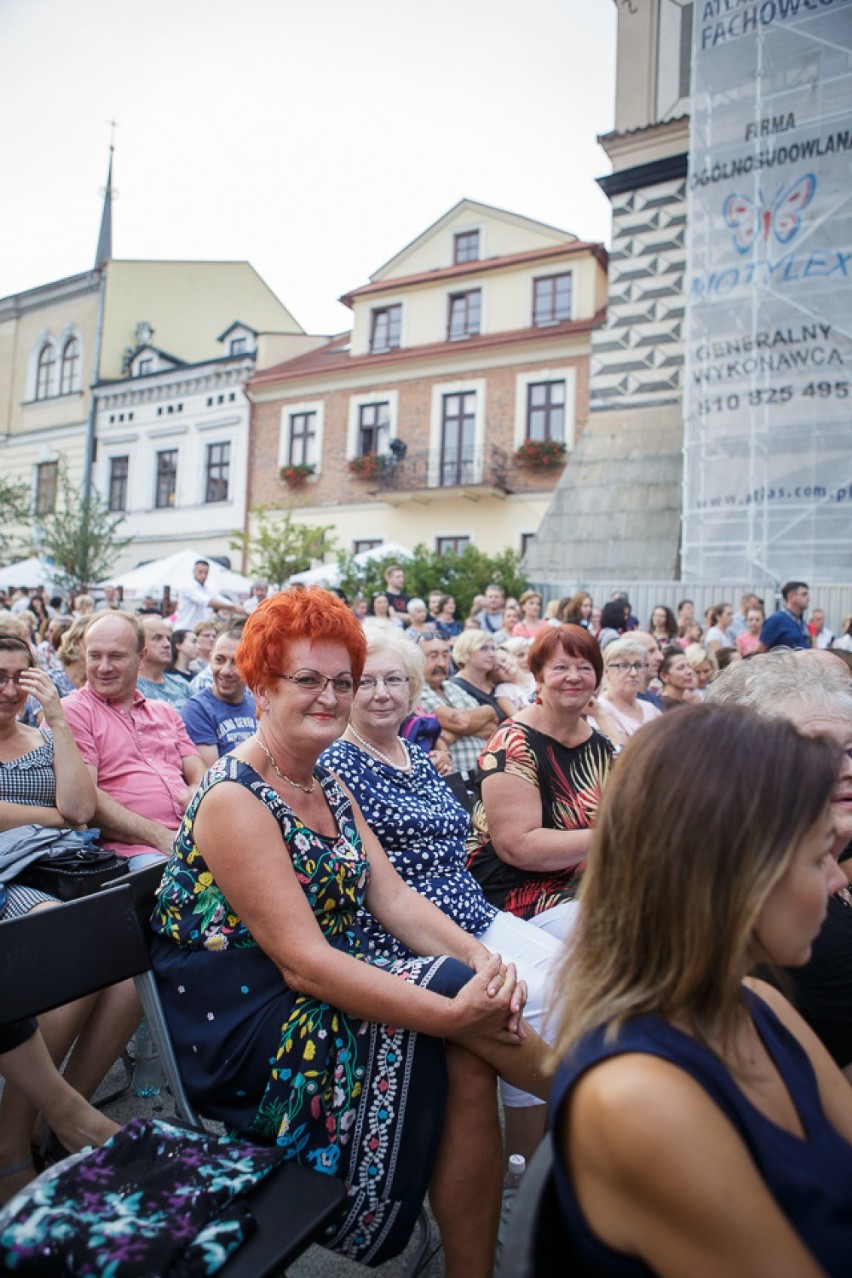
<point>536,947</point>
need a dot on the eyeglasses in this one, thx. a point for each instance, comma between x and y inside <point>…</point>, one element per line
<point>314,683</point>
<point>15,680</point>
<point>635,667</point>
<point>391,682</point>
<point>426,636</point>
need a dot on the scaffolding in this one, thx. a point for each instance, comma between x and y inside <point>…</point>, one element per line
<point>767,488</point>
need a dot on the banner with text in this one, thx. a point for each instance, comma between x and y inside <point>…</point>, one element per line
<point>768,370</point>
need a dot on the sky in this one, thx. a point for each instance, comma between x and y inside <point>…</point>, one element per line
<point>313,138</point>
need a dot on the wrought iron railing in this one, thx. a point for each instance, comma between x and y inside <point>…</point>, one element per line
<point>488,466</point>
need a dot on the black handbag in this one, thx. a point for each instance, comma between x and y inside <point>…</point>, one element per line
<point>71,872</point>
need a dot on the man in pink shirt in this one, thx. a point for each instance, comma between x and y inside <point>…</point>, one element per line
<point>144,764</point>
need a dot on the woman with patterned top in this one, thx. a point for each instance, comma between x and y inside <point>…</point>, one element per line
<point>288,1028</point>
<point>542,775</point>
<point>422,827</point>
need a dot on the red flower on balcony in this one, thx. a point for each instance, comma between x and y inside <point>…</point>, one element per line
<point>368,466</point>
<point>541,454</point>
<point>297,475</point>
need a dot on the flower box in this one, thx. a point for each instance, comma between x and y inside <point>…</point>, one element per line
<point>541,454</point>
<point>296,476</point>
<point>368,466</point>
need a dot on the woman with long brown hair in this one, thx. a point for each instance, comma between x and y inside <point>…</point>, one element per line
<point>699,1125</point>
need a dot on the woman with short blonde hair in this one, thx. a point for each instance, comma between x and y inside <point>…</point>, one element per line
<point>618,712</point>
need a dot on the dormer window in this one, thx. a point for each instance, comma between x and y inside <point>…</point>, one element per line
<point>465,247</point>
<point>238,339</point>
<point>145,365</point>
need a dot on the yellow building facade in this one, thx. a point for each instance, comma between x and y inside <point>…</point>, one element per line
<point>467,345</point>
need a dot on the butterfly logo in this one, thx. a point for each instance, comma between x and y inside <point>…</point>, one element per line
<point>751,221</point>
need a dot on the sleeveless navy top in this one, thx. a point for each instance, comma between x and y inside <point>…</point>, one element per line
<point>811,1179</point>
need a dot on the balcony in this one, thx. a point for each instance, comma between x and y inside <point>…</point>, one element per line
<point>433,475</point>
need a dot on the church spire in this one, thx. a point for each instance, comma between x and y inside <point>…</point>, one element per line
<point>104,252</point>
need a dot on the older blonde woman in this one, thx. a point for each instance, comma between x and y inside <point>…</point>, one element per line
<point>475,655</point>
<point>702,661</point>
<point>618,712</point>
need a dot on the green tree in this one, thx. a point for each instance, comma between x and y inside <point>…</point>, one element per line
<point>81,538</point>
<point>462,576</point>
<point>14,510</point>
<point>281,547</point>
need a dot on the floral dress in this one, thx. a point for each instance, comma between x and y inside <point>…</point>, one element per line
<point>570,781</point>
<point>349,1097</point>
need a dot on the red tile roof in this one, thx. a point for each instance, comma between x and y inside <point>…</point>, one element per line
<point>476,268</point>
<point>330,358</point>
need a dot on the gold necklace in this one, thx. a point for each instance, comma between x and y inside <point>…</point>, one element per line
<point>297,785</point>
<point>377,752</point>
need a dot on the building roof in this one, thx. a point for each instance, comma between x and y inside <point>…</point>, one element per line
<point>334,355</point>
<point>476,268</point>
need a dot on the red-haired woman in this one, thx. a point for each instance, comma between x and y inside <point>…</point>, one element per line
<point>287,1028</point>
<point>542,776</point>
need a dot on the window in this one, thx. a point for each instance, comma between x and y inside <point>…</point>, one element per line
<point>458,433</point>
<point>451,545</point>
<point>527,540</point>
<point>373,428</point>
<point>117,497</point>
<point>237,346</point>
<point>45,487</point>
<point>466,247</point>
<point>385,329</point>
<point>465,310</point>
<point>44,372</point>
<point>69,380</point>
<point>366,543</point>
<point>546,411</point>
<point>144,366</point>
<point>551,300</point>
<point>674,53</point>
<point>217,472</point>
<point>303,439</point>
<point>166,478</point>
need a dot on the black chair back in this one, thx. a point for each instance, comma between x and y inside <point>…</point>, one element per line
<point>51,957</point>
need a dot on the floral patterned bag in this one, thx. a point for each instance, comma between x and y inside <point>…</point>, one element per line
<point>158,1198</point>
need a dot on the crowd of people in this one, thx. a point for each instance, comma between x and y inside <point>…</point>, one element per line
<point>407,854</point>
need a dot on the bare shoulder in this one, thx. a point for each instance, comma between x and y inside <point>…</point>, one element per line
<point>634,1103</point>
<point>661,1173</point>
<point>228,802</point>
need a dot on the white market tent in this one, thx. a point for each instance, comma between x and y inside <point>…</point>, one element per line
<point>328,574</point>
<point>175,571</point>
<point>27,572</point>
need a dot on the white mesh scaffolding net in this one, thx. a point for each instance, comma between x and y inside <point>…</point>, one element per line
<point>768,376</point>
